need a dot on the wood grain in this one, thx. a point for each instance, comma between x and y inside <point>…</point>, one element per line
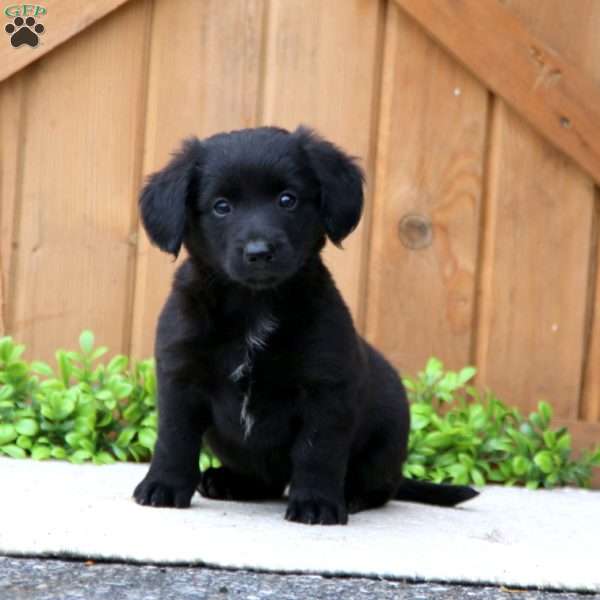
<point>321,69</point>
<point>429,167</point>
<point>552,94</point>
<point>63,20</point>
<point>203,80</point>
<point>73,254</point>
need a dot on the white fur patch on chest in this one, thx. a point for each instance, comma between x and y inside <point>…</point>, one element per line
<point>256,340</point>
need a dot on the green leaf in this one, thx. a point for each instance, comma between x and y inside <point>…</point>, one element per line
<point>98,352</point>
<point>117,364</point>
<point>204,462</point>
<point>8,433</point>
<point>133,413</point>
<point>147,438</point>
<point>80,456</point>
<point>122,389</point>
<point>419,422</point>
<point>103,458</point>
<point>73,439</point>
<point>544,461</point>
<point>65,366</point>
<point>564,442</point>
<point>437,439</point>
<point>41,368</point>
<point>6,391</point>
<point>119,452</point>
<point>86,341</point>
<point>58,452</point>
<point>537,420</point>
<point>466,374</point>
<point>125,437</point>
<point>477,477</point>
<point>416,470</point>
<point>150,421</point>
<point>13,451</point>
<point>545,410</point>
<point>24,442</point>
<point>40,452</point>
<point>520,465</point>
<point>27,427</point>
<point>549,438</point>
<point>15,353</point>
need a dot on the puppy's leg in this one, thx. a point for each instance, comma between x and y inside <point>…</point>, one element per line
<point>374,475</point>
<point>174,472</point>
<point>319,462</point>
<point>225,484</point>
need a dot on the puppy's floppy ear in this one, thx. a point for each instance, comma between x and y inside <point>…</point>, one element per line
<point>341,181</point>
<point>164,199</point>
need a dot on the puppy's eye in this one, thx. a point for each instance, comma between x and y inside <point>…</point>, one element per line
<point>287,201</point>
<point>221,207</point>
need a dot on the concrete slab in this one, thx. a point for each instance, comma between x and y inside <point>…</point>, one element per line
<point>508,536</point>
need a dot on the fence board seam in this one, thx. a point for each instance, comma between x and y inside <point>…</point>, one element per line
<point>17,200</point>
<point>376,95</point>
<point>488,172</point>
<point>137,179</point>
<point>589,406</point>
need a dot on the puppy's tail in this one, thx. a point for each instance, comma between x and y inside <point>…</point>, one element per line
<point>440,494</point>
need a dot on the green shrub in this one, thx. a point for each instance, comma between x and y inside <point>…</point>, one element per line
<point>478,439</point>
<point>85,411</point>
<point>90,411</point>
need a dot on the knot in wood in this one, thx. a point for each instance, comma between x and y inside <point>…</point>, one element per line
<point>415,231</point>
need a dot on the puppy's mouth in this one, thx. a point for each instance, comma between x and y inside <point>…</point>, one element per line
<point>262,283</point>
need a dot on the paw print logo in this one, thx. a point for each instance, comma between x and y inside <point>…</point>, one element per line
<point>24,31</point>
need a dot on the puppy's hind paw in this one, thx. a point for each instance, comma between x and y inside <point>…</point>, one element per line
<point>155,493</point>
<point>316,511</point>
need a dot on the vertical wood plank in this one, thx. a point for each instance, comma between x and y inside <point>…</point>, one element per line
<point>11,120</point>
<point>539,234</point>
<point>203,80</point>
<point>322,64</point>
<point>429,169</point>
<point>80,146</point>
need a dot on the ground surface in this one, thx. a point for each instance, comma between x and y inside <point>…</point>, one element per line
<point>512,537</point>
<point>45,579</point>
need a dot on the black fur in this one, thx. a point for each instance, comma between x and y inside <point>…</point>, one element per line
<point>256,351</point>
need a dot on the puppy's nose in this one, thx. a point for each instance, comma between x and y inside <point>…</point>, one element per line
<point>258,251</point>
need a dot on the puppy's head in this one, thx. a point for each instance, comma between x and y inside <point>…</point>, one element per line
<point>254,204</point>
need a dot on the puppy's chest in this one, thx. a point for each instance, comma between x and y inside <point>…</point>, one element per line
<point>250,403</point>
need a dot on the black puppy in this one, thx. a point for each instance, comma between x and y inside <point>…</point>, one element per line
<point>256,352</point>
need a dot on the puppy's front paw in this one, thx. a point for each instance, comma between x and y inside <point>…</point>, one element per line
<point>153,492</point>
<point>312,509</point>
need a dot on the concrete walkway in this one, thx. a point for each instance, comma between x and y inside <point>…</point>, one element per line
<point>47,579</point>
<point>510,537</point>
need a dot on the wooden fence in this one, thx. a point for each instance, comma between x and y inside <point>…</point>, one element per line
<point>478,122</point>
